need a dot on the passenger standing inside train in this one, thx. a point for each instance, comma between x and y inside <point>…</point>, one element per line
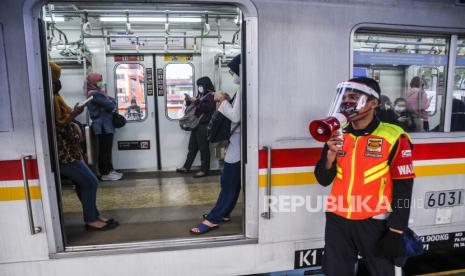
<point>231,175</point>
<point>404,117</point>
<point>205,106</point>
<point>101,109</point>
<point>70,159</point>
<point>384,110</point>
<point>368,208</point>
<point>418,102</point>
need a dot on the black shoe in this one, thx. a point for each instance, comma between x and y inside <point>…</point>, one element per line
<point>183,170</point>
<point>107,227</point>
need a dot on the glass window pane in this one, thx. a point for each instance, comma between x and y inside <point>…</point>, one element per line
<point>130,91</point>
<point>458,103</point>
<point>179,83</point>
<point>411,72</point>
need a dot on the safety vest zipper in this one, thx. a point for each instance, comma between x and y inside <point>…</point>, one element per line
<point>352,177</point>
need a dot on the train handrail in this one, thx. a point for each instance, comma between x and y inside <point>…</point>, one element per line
<point>33,228</point>
<point>267,215</point>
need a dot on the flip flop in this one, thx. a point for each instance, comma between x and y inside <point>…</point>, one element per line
<point>203,228</point>
<point>200,174</point>
<point>204,216</point>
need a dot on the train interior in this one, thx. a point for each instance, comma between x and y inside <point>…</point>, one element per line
<point>150,57</point>
<point>382,56</point>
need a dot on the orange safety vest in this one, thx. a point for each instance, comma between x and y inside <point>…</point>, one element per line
<point>362,187</point>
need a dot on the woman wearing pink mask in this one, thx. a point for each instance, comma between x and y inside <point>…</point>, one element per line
<point>100,109</point>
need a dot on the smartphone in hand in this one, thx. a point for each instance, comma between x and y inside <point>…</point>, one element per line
<point>84,103</point>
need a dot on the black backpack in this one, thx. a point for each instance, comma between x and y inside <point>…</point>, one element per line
<point>219,127</point>
<point>190,121</point>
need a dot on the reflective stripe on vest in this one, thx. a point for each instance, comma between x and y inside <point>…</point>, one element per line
<point>362,187</point>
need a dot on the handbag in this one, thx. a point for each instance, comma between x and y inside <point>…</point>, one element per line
<point>118,120</point>
<point>411,246</point>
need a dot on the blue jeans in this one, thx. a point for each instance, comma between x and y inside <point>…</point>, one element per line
<point>86,187</point>
<point>230,188</point>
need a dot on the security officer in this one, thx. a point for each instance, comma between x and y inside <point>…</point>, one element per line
<point>371,166</point>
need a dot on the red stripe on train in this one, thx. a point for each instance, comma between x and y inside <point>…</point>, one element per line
<point>11,170</point>
<point>284,158</point>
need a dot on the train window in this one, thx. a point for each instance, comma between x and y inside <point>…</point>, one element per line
<point>5,114</point>
<point>179,81</point>
<point>411,72</point>
<point>130,91</point>
<point>458,102</point>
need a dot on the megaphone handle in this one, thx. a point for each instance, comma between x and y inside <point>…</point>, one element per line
<point>339,134</point>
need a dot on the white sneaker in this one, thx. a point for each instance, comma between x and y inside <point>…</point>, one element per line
<point>116,173</point>
<point>110,177</point>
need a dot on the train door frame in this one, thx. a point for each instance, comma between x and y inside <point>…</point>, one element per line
<point>56,247</point>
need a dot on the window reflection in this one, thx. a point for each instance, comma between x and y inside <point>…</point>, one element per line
<point>179,83</point>
<point>130,91</point>
<point>458,103</point>
<point>411,71</point>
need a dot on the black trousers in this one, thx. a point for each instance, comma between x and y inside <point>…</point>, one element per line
<point>346,239</point>
<point>105,144</point>
<point>198,141</point>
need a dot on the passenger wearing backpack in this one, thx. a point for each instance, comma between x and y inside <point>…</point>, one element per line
<point>204,108</point>
<point>231,174</point>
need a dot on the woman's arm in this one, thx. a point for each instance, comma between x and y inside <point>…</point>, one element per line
<point>106,103</point>
<point>206,104</point>
<point>232,112</point>
<point>63,113</point>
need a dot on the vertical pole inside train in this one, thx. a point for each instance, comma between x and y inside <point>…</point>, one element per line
<point>157,125</point>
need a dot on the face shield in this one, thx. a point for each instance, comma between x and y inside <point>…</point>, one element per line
<point>351,98</point>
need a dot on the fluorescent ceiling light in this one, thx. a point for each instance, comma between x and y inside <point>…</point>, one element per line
<point>152,19</point>
<point>55,19</point>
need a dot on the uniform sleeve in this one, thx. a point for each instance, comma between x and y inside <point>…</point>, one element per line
<point>402,184</point>
<point>401,201</point>
<point>323,176</point>
<point>401,164</point>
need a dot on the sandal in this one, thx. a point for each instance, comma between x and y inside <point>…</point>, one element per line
<point>107,227</point>
<point>110,221</point>
<point>199,174</point>
<point>203,228</point>
<point>225,219</point>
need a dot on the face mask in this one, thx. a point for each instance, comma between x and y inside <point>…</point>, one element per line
<point>100,84</point>
<point>399,108</point>
<point>387,106</point>
<point>237,79</point>
<point>200,89</point>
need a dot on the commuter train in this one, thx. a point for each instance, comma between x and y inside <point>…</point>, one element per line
<point>150,53</point>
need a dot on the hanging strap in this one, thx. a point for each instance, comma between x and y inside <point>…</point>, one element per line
<point>234,128</point>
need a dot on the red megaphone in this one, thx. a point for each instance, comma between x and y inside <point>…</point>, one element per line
<point>322,130</point>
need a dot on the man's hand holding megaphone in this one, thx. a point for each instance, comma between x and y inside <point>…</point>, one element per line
<point>346,107</point>
<point>334,145</point>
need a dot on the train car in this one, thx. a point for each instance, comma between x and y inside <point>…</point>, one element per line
<point>150,54</point>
